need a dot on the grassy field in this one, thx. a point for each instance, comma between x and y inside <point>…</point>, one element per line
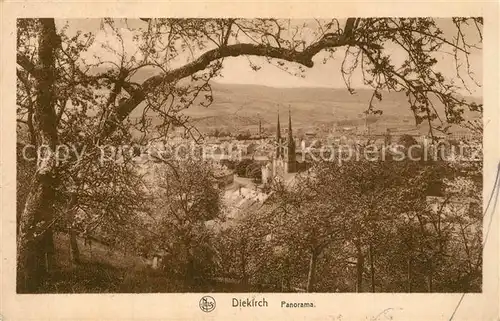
<point>95,252</point>
<point>103,270</point>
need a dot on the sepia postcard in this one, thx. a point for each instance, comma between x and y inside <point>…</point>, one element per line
<point>249,161</point>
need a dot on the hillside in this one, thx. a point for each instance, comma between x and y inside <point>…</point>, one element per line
<point>242,105</point>
<point>239,107</point>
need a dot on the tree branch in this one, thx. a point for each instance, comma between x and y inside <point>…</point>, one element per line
<point>27,65</point>
<point>302,57</point>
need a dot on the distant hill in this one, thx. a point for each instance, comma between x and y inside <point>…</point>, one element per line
<point>242,105</point>
<point>239,107</point>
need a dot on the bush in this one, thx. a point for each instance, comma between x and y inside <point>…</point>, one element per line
<point>241,167</point>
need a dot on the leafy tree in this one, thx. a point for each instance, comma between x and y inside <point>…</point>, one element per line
<point>241,167</point>
<point>186,198</point>
<point>371,220</point>
<point>254,172</point>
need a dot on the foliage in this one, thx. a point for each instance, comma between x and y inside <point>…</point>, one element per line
<point>249,168</point>
<point>186,197</point>
<point>371,217</point>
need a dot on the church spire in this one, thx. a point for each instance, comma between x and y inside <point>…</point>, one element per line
<point>279,148</point>
<point>278,128</point>
<point>291,157</point>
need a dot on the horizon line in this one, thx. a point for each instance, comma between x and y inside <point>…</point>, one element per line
<point>318,87</point>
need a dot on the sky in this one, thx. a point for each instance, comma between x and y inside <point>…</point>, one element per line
<point>237,70</point>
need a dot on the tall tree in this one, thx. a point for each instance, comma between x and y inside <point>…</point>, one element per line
<point>186,198</point>
<point>35,239</point>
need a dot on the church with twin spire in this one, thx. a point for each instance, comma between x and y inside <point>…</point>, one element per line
<point>284,157</point>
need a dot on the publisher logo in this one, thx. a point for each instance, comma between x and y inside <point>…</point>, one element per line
<point>207,304</point>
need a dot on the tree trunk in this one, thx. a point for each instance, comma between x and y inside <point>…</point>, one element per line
<point>312,271</point>
<point>410,262</point>
<point>35,242</point>
<point>429,277</point>
<point>285,287</point>
<point>244,275</point>
<point>372,269</point>
<point>409,278</point>
<point>75,251</point>
<point>360,262</point>
<point>189,271</point>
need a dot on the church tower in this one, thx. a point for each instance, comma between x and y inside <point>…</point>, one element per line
<point>291,156</point>
<point>279,145</point>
